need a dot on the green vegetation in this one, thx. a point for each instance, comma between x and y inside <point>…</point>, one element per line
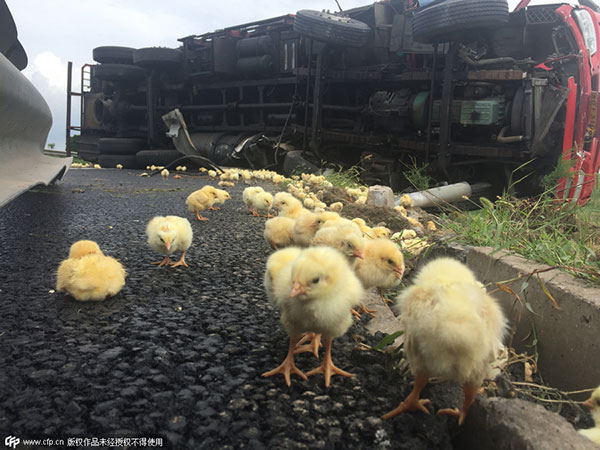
<point>417,175</point>
<point>539,228</point>
<point>348,178</point>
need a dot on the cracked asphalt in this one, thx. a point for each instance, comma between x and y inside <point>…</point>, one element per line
<point>179,353</point>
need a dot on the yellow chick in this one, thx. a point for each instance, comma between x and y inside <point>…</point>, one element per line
<point>164,174</point>
<point>226,184</point>
<point>593,434</point>
<point>366,230</point>
<point>347,239</point>
<point>406,201</point>
<point>167,235</point>
<point>275,264</point>
<point>89,275</point>
<point>212,174</point>
<point>305,228</point>
<point>401,209</point>
<point>309,203</point>
<point>315,293</point>
<point>221,197</point>
<point>382,266</point>
<point>198,201</point>
<point>248,197</point>
<point>381,232</point>
<point>431,226</point>
<point>278,179</point>
<point>453,331</point>
<point>202,170</point>
<point>288,206</point>
<point>330,218</point>
<point>119,166</point>
<point>262,202</point>
<point>279,232</point>
<point>97,166</point>
<point>336,207</point>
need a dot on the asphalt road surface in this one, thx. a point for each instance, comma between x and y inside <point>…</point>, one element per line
<point>177,356</point>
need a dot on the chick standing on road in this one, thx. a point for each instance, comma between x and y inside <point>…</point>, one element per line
<point>315,293</point>
<point>167,235</point>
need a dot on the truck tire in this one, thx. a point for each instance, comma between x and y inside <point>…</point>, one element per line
<point>113,55</point>
<point>118,72</point>
<point>156,157</point>
<point>111,161</point>
<point>458,20</point>
<point>331,28</point>
<point>157,57</point>
<point>120,146</point>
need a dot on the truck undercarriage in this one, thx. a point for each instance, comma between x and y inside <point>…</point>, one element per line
<point>460,85</point>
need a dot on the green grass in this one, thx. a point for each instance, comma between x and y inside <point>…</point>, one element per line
<point>348,178</point>
<point>540,229</point>
<point>417,175</point>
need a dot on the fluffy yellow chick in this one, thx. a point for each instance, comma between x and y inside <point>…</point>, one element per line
<point>89,275</point>
<point>315,293</point>
<point>593,434</point>
<point>167,235</point>
<point>203,170</point>
<point>287,205</point>
<point>305,228</point>
<point>406,201</point>
<point>336,207</point>
<point>309,203</point>
<point>262,202</point>
<point>381,232</point>
<point>119,166</point>
<point>164,174</point>
<point>97,166</point>
<point>401,209</point>
<point>453,331</point>
<point>345,238</point>
<point>248,197</point>
<point>279,232</point>
<point>226,184</point>
<point>366,230</point>
<point>212,174</point>
<point>382,266</point>
<point>275,264</point>
<point>198,201</point>
<point>221,197</point>
<point>431,226</point>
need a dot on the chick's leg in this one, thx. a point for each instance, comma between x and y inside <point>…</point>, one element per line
<point>181,261</point>
<point>313,346</point>
<point>385,300</point>
<point>200,216</point>
<point>327,368</point>
<point>471,392</point>
<point>165,262</point>
<point>288,366</point>
<point>412,402</point>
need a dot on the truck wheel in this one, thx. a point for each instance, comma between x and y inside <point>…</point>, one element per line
<point>458,20</point>
<point>120,146</point>
<point>157,56</point>
<point>113,55</point>
<point>156,157</point>
<point>118,72</point>
<point>331,28</point>
<point>111,161</point>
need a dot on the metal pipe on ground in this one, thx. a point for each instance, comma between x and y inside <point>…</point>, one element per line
<point>451,193</point>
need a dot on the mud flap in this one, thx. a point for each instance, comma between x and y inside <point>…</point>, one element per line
<point>25,120</point>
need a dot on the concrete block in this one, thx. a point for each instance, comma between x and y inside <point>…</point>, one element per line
<point>499,423</point>
<point>380,196</point>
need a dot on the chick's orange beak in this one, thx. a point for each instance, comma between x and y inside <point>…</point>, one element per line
<point>359,254</point>
<point>297,289</point>
<point>588,403</point>
<point>167,245</point>
<point>399,271</point>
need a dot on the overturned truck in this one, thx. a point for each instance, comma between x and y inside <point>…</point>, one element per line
<point>465,86</point>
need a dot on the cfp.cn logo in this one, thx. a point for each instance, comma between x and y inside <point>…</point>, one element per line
<point>12,442</point>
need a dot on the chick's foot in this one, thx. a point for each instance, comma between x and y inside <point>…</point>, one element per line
<point>165,262</point>
<point>363,309</point>
<point>470,394</point>
<point>181,261</point>
<point>327,368</point>
<point>312,346</point>
<point>288,366</point>
<point>412,402</point>
<point>200,216</point>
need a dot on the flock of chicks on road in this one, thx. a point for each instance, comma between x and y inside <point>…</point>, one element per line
<point>316,277</point>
